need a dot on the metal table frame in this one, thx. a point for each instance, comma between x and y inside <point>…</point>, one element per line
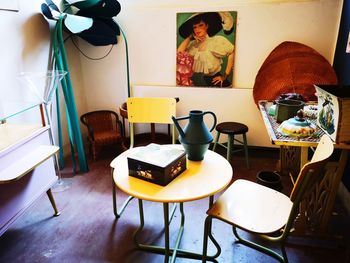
<point>212,162</point>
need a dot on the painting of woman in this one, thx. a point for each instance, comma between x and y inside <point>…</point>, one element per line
<point>205,49</point>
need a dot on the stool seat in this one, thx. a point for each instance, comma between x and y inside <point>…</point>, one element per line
<point>231,128</point>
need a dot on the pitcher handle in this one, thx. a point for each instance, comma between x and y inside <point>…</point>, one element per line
<point>214,116</point>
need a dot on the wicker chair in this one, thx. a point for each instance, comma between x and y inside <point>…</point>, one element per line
<point>104,128</point>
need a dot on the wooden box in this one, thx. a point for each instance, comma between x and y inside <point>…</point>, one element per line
<point>159,164</point>
<point>334,111</point>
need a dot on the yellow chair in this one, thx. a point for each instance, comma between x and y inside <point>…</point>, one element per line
<point>150,110</point>
<point>262,211</point>
<point>146,110</point>
<point>104,128</point>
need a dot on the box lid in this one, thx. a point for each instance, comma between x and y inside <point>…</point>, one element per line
<point>159,155</point>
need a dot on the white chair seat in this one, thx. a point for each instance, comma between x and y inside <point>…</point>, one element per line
<point>266,212</point>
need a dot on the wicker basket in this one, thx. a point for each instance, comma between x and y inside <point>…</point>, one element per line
<point>292,67</point>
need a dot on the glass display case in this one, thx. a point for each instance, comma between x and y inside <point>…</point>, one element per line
<point>14,110</point>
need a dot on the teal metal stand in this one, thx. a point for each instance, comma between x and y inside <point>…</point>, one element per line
<point>72,116</point>
<point>60,137</point>
<point>127,60</point>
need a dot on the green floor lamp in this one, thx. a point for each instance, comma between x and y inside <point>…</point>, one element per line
<point>60,57</point>
<point>91,20</point>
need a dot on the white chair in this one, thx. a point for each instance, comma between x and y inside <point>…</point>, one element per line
<point>264,212</point>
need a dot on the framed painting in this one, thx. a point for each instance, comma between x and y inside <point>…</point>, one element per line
<point>205,49</point>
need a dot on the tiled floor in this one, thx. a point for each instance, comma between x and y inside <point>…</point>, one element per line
<point>87,231</point>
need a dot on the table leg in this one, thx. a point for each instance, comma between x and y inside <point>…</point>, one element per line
<point>290,160</point>
<point>53,203</point>
<point>211,200</point>
<point>230,144</point>
<point>303,156</point>
<point>114,196</point>
<point>167,250</point>
<point>142,223</point>
<point>180,233</point>
<point>166,233</point>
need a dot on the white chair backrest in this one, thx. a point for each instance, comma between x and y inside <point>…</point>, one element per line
<point>314,170</point>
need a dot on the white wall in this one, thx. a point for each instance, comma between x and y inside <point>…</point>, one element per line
<point>25,47</point>
<point>150,27</point>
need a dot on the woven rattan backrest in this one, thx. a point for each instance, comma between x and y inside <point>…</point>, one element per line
<point>103,120</point>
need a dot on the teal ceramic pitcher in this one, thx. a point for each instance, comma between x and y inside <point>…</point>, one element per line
<point>195,137</point>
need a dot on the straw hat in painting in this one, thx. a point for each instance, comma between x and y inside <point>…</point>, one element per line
<point>216,21</point>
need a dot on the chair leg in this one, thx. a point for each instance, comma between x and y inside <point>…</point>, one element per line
<point>114,196</point>
<point>230,143</point>
<point>216,140</point>
<point>207,233</point>
<point>265,250</point>
<point>123,128</point>
<point>207,229</point>
<point>94,151</point>
<point>246,150</point>
<point>284,253</point>
<point>167,252</point>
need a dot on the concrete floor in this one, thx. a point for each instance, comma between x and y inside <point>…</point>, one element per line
<point>87,231</point>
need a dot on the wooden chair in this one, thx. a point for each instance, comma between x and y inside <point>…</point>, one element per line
<point>265,212</point>
<point>123,111</point>
<point>146,110</point>
<point>104,128</point>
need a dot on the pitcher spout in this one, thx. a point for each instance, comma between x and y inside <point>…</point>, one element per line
<point>178,127</point>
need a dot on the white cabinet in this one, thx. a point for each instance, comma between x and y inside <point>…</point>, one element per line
<point>26,168</point>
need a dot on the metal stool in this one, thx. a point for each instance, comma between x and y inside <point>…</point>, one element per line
<point>232,129</point>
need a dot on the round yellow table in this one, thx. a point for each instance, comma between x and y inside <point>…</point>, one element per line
<point>201,179</point>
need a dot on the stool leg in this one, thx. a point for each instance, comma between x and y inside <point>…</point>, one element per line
<point>216,141</point>
<point>230,142</point>
<point>246,150</point>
